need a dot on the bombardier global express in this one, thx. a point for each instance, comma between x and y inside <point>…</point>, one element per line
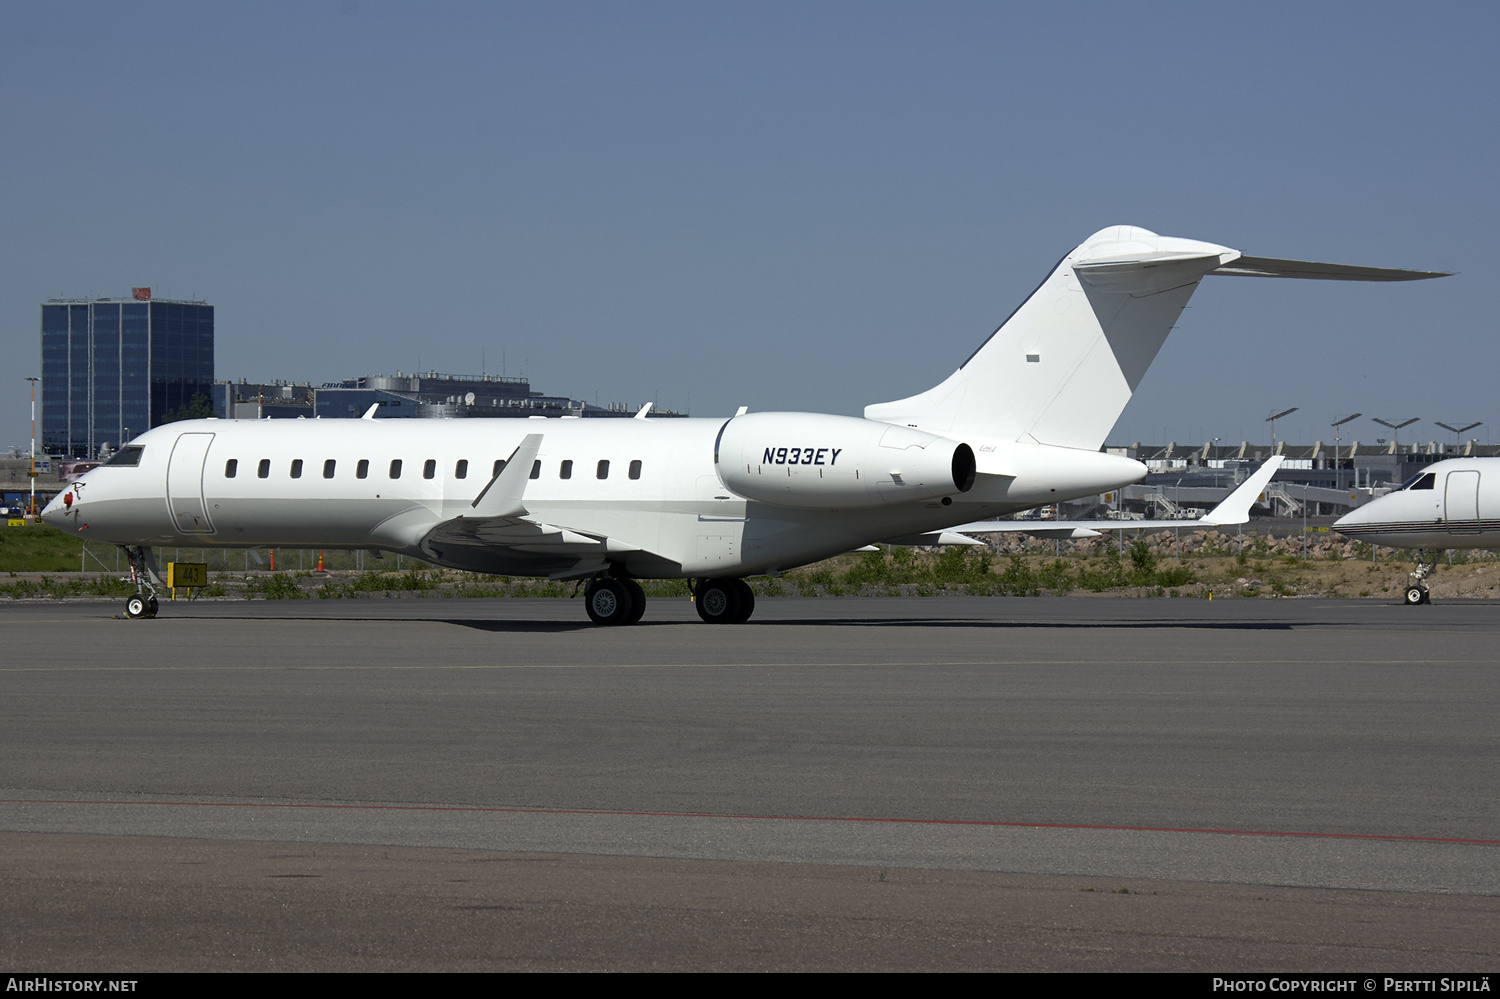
<point>1453,504</point>
<point>1018,425</point>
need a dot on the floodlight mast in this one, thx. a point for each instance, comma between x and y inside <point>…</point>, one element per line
<point>1458,432</point>
<point>1395,428</point>
<point>1338,469</point>
<point>31,503</point>
<point>1272,421</point>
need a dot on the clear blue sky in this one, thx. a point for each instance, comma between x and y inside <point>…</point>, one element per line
<point>803,206</point>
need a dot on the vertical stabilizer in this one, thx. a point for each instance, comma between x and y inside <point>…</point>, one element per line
<point>1062,367</point>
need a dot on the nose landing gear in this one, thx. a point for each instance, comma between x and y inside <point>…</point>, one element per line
<point>142,603</point>
<point>1416,589</point>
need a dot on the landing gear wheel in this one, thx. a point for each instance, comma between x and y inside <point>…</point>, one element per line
<point>718,601</point>
<point>637,600</point>
<point>137,607</point>
<point>608,602</point>
<point>747,601</point>
<point>151,606</point>
<point>1417,595</point>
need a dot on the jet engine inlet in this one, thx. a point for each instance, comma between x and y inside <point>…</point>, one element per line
<point>964,468</point>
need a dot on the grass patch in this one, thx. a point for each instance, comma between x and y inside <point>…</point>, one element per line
<point>38,548</point>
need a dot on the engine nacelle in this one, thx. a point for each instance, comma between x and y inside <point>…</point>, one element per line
<point>811,461</point>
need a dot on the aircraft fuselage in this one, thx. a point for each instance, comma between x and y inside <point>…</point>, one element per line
<point>1451,504</point>
<point>644,496</point>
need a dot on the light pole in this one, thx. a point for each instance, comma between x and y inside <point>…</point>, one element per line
<point>1272,421</point>
<point>1338,470</point>
<point>1458,431</point>
<point>31,504</point>
<point>1395,436</point>
<point>1304,521</point>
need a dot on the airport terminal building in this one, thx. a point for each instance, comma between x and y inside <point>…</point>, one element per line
<point>429,394</point>
<point>113,368</point>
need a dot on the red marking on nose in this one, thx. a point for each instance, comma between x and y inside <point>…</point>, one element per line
<point>68,500</point>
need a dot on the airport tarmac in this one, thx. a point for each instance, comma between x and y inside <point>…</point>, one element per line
<point>955,782</point>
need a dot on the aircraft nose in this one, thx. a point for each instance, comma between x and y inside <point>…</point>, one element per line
<point>1353,518</point>
<point>55,512</point>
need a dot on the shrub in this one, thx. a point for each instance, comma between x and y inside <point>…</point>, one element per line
<point>276,586</point>
<point>1055,578</point>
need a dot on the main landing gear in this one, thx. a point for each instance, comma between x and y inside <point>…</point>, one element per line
<point>610,601</point>
<point>1416,588</point>
<point>724,600</point>
<point>143,602</point>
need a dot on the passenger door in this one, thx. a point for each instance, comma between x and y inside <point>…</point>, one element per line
<point>185,484</point>
<point>1461,498</point>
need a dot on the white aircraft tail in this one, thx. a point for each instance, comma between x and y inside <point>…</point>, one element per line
<point>1062,367</point>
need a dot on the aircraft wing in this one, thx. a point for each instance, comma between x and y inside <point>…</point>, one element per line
<point>1233,509</point>
<point>499,519</point>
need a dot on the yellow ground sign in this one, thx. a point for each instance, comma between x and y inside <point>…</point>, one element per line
<point>187,574</point>
<point>14,522</point>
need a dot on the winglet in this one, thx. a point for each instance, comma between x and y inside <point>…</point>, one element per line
<point>1235,509</point>
<point>641,413</point>
<point>370,413</point>
<point>502,497</point>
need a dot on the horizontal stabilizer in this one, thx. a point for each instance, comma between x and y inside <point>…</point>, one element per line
<point>1272,267</point>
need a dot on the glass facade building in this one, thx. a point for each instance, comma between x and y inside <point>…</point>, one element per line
<point>113,368</point>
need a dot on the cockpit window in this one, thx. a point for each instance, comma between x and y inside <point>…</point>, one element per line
<point>130,456</point>
<point>1422,480</point>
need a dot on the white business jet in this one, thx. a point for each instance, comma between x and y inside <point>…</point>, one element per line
<point>1018,425</point>
<point>1453,504</point>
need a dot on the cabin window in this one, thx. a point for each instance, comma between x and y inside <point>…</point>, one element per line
<point>328,468</point>
<point>395,468</point>
<point>264,471</point>
<point>362,470</point>
<point>296,468</point>
<point>602,472</point>
<point>429,468</point>
<point>231,467</point>
<point>536,469</point>
<point>461,470</point>
<point>566,471</point>
<point>499,467</point>
<point>129,456</point>
<point>635,469</point>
